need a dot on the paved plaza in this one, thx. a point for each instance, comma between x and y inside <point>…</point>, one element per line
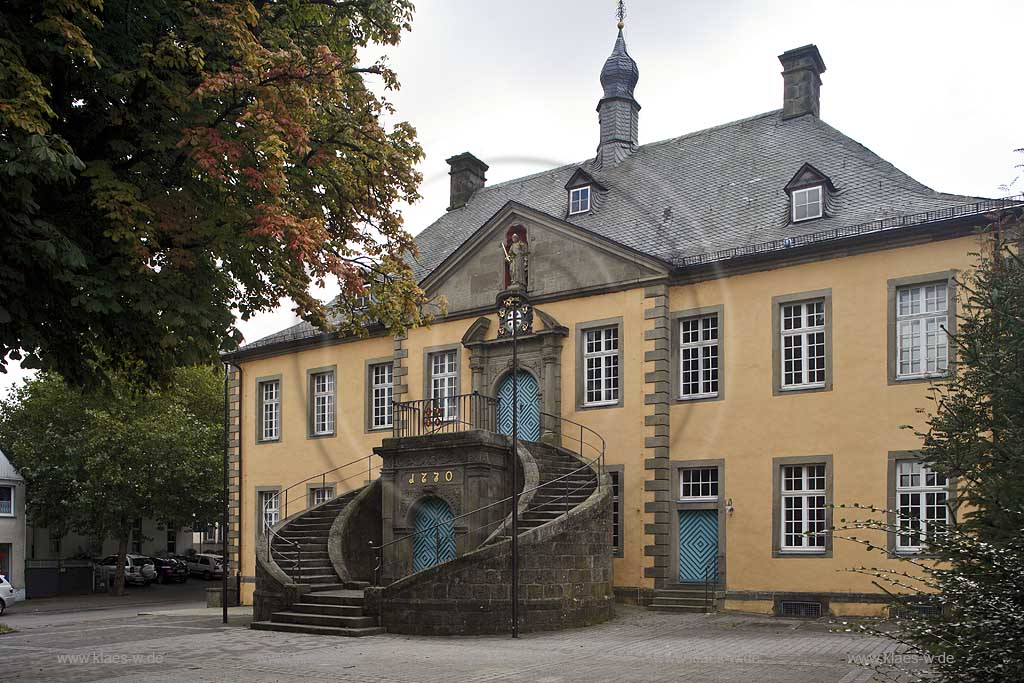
<point>192,645</point>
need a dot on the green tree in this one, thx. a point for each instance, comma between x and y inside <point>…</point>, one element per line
<point>95,460</point>
<point>168,164</point>
<point>962,604</point>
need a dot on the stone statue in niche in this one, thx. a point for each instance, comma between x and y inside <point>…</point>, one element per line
<point>517,258</point>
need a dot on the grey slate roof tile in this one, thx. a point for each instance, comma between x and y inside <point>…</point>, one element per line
<point>714,189</point>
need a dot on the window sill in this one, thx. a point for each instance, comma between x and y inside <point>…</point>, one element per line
<point>607,404</point>
<point>802,389</point>
<point>926,377</point>
<point>260,442</point>
<point>703,499</point>
<point>697,397</point>
<point>797,552</point>
<point>321,436</point>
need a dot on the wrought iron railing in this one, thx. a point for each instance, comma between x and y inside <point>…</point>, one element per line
<point>448,414</point>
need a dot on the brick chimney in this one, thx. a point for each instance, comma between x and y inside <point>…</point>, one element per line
<point>801,77</point>
<point>467,173</point>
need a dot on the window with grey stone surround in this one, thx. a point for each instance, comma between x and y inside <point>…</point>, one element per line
<point>380,389</point>
<point>321,401</point>
<point>442,380</point>
<point>920,503</point>
<point>599,370</point>
<point>697,361</point>
<point>801,512</point>
<point>802,342</point>
<point>921,318</point>
<point>268,409</point>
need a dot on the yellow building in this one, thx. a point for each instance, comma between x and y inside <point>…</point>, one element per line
<point>746,314</point>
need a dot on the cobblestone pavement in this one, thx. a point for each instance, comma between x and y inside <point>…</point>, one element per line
<point>637,646</point>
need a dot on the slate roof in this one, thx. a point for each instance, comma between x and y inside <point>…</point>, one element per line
<point>710,190</point>
<point>721,188</point>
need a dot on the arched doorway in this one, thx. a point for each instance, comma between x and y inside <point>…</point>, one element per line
<point>529,406</point>
<point>434,540</point>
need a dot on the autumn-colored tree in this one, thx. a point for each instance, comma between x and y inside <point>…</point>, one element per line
<point>167,164</point>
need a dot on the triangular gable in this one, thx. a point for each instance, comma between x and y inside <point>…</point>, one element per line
<point>581,178</point>
<point>806,176</point>
<point>564,259</point>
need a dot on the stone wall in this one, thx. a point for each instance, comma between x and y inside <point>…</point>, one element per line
<point>565,579</point>
<point>275,591</point>
<point>349,542</point>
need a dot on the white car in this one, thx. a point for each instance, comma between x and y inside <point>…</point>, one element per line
<point>138,569</point>
<point>7,595</point>
<point>206,566</point>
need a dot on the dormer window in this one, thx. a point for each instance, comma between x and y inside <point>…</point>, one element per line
<point>807,203</point>
<point>579,200</point>
<point>810,195</point>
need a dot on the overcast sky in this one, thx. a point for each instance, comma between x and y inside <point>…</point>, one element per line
<point>931,86</point>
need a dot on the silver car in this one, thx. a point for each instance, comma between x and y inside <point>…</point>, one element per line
<point>7,595</point>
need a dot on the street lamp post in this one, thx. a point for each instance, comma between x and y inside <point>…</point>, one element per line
<point>515,474</point>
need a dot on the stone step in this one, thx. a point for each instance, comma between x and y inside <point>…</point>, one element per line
<point>323,620</point>
<point>314,556</point>
<point>685,593</point>
<point>357,585</point>
<point>303,537</point>
<point>317,578</point>
<point>334,597</point>
<point>661,601</point>
<point>334,610</point>
<point>316,630</point>
<point>681,609</point>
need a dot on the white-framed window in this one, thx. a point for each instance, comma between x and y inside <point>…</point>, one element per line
<point>698,483</point>
<point>6,501</point>
<point>579,199</point>
<point>601,365</point>
<point>804,505</point>
<point>211,534</point>
<point>698,356</point>
<point>922,504</point>
<point>270,410</point>
<point>270,505</point>
<point>444,383</point>
<point>321,494</point>
<point>807,203</point>
<point>803,344</point>
<point>922,347</point>
<point>323,402</point>
<point>381,394</point>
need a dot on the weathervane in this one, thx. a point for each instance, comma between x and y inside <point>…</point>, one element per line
<point>620,13</point>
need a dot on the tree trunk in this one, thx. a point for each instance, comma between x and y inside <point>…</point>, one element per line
<point>122,555</point>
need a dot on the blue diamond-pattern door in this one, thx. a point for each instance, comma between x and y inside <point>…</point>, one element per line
<point>698,545</point>
<point>434,539</point>
<point>529,407</point>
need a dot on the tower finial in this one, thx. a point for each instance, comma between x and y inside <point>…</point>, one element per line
<point>620,13</point>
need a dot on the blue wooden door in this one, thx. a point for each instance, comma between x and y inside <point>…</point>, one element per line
<point>698,545</point>
<point>529,407</point>
<point>434,539</point>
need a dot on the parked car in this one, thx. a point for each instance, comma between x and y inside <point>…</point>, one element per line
<point>206,566</point>
<point>7,595</point>
<point>170,570</point>
<point>138,570</point>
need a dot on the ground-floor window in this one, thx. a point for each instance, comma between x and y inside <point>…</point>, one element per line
<point>922,500</point>
<point>270,506</point>
<point>172,540</point>
<point>321,495</point>
<point>802,513</point>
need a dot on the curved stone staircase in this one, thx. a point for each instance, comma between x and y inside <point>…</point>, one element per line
<point>564,527</point>
<point>330,606</point>
<point>556,495</point>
